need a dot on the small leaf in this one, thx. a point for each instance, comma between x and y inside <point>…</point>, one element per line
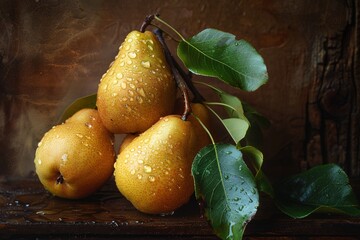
<point>236,127</point>
<point>257,159</point>
<point>218,54</point>
<point>228,188</point>
<point>321,188</point>
<point>254,135</point>
<point>80,103</point>
<point>233,102</point>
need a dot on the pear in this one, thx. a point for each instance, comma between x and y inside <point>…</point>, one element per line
<point>138,88</point>
<point>154,170</point>
<point>202,113</point>
<point>126,141</point>
<point>76,158</point>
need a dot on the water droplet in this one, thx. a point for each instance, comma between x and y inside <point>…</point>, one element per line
<point>119,75</point>
<point>226,177</point>
<point>88,125</point>
<point>131,93</point>
<point>139,99</point>
<point>139,176</point>
<point>150,47</point>
<point>141,92</point>
<point>132,86</point>
<point>130,40</point>
<point>100,153</point>
<point>150,41</point>
<point>64,157</point>
<point>127,47</point>
<point>39,144</point>
<point>145,64</point>
<point>140,161</point>
<point>151,178</point>
<point>167,214</point>
<point>129,62</point>
<point>132,172</point>
<point>114,94</point>
<point>228,152</point>
<point>122,63</point>
<point>147,169</point>
<point>236,199</point>
<point>132,55</point>
<point>123,85</point>
<point>166,119</point>
<point>39,161</point>
<point>241,208</point>
<point>105,87</point>
<point>124,99</point>
<point>79,135</point>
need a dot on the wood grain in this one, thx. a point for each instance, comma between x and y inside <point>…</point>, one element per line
<point>28,211</point>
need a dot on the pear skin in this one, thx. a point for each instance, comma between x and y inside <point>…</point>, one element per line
<point>138,88</point>
<point>76,158</point>
<point>126,141</point>
<point>154,171</point>
<point>202,113</point>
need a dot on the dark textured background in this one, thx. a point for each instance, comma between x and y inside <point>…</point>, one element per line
<point>52,52</point>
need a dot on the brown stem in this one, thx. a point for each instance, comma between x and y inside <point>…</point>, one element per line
<point>178,77</point>
<point>147,22</point>
<point>198,98</point>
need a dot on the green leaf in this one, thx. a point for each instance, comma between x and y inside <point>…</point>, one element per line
<point>233,102</point>
<point>228,188</point>
<point>254,135</point>
<point>257,159</point>
<point>218,54</point>
<point>236,127</point>
<point>323,188</point>
<point>80,103</point>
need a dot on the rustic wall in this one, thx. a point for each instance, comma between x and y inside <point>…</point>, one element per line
<point>54,51</point>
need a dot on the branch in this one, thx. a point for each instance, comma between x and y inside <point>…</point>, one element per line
<point>147,21</point>
<point>178,78</point>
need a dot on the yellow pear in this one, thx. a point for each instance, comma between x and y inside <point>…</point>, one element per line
<point>138,88</point>
<point>126,141</point>
<point>76,158</point>
<point>154,171</point>
<point>202,113</point>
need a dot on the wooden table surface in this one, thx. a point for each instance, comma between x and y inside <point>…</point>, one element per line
<point>29,212</point>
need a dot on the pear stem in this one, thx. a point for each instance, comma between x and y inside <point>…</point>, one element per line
<point>198,98</point>
<point>147,21</point>
<point>178,78</point>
